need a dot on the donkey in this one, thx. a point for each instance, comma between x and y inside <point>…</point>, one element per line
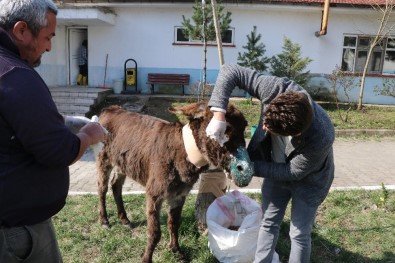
<point>166,158</point>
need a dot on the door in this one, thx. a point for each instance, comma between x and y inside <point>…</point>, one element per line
<point>75,36</point>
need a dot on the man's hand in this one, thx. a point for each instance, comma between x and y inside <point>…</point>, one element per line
<point>94,133</point>
<point>75,123</point>
<point>217,127</point>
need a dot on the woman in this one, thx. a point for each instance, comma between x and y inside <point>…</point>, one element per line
<point>292,150</point>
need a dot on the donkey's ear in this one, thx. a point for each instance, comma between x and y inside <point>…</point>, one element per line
<point>191,111</point>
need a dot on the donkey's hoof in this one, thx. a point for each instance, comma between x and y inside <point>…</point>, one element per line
<point>178,254</point>
<point>181,257</point>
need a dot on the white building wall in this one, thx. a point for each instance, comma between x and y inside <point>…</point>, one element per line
<point>53,64</point>
<point>146,33</point>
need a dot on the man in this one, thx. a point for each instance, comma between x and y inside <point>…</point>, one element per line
<point>292,150</point>
<point>36,147</point>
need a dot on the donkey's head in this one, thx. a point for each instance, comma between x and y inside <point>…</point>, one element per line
<point>231,157</point>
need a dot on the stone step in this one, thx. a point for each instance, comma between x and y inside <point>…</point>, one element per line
<point>77,101</point>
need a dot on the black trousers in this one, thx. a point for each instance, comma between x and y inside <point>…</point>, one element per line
<point>31,244</point>
<point>84,70</point>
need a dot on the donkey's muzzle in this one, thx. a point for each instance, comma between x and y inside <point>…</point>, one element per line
<point>241,167</point>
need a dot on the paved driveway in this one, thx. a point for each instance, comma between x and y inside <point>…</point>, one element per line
<point>359,163</point>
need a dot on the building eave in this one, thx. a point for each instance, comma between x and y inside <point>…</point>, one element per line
<point>335,3</point>
<point>89,16</point>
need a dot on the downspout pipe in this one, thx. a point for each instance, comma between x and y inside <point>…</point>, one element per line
<point>324,22</point>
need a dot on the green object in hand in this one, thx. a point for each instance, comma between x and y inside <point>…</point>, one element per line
<point>241,167</point>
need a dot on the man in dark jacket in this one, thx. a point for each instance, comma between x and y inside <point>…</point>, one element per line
<point>292,149</point>
<point>36,147</point>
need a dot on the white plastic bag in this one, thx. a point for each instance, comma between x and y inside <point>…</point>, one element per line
<point>233,210</point>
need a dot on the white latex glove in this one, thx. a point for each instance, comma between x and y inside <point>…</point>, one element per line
<point>75,123</point>
<point>216,131</point>
<point>98,146</point>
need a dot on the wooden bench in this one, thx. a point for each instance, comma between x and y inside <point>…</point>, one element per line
<point>168,79</point>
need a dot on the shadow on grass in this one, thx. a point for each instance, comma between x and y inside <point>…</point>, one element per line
<point>324,251</point>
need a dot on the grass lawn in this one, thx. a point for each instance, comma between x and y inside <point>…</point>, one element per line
<point>351,226</point>
<point>371,117</point>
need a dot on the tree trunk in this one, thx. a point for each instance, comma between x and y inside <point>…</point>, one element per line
<point>212,185</point>
<point>203,201</point>
<point>365,69</point>
<point>387,11</point>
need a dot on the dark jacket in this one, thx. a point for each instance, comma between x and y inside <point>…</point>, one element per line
<point>36,148</point>
<point>309,168</point>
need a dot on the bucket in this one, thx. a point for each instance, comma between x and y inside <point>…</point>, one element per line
<point>117,86</point>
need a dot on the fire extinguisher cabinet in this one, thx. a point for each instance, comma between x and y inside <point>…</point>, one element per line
<point>130,73</point>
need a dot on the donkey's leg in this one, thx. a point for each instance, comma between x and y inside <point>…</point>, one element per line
<point>104,169</point>
<point>174,222</point>
<point>116,184</point>
<point>154,205</point>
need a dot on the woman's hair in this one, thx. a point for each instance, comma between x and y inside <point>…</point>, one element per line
<point>33,12</point>
<point>289,114</point>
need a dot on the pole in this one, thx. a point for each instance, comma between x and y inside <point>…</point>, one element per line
<point>204,49</point>
<point>217,32</point>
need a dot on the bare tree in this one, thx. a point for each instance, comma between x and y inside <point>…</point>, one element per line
<point>204,25</point>
<point>341,80</point>
<point>212,183</point>
<point>383,31</point>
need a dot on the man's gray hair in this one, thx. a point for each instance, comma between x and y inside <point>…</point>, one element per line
<point>33,12</point>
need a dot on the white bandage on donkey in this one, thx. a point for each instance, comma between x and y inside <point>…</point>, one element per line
<point>98,146</point>
<point>75,123</point>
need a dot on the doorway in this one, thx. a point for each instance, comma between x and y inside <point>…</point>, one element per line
<point>75,37</point>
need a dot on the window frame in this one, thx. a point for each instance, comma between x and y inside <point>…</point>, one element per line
<point>199,42</point>
<point>376,64</point>
<point>389,49</point>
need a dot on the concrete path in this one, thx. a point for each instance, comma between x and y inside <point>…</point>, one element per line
<point>358,164</point>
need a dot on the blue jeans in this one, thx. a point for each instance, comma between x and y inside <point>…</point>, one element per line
<point>275,199</point>
<point>30,244</point>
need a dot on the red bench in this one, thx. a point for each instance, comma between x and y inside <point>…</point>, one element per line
<point>168,79</point>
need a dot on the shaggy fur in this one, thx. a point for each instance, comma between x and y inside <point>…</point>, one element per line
<point>151,152</point>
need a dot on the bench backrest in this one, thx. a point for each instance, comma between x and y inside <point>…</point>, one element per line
<point>162,78</point>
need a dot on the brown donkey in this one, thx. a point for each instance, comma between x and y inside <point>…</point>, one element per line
<point>166,158</point>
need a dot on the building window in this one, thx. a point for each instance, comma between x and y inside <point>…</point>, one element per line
<point>389,58</point>
<point>355,53</point>
<point>181,38</point>
<point>349,47</point>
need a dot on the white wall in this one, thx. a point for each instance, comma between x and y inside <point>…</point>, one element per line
<point>53,64</point>
<point>145,33</point>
